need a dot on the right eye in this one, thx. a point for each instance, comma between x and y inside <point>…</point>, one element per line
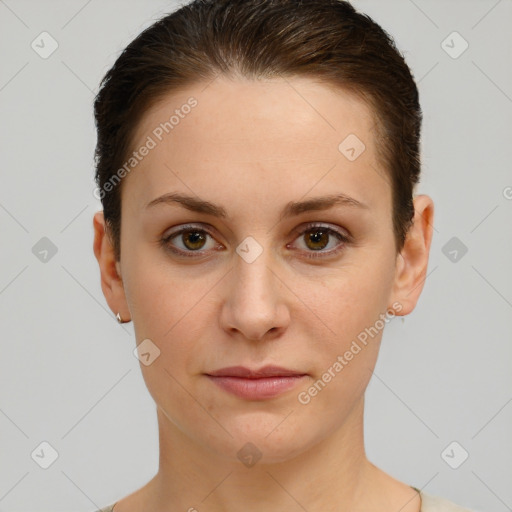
<point>190,241</point>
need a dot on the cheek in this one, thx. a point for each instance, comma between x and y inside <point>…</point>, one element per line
<point>345,360</point>
<point>164,299</point>
<point>348,311</point>
<point>174,310</point>
<point>167,308</point>
<point>345,303</point>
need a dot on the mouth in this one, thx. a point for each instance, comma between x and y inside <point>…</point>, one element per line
<point>260,384</point>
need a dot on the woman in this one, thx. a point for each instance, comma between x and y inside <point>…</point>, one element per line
<point>256,162</point>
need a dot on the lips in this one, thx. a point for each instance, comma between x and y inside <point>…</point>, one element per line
<point>266,371</point>
<point>258,384</point>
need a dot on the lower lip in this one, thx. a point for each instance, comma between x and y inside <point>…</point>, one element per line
<point>257,389</point>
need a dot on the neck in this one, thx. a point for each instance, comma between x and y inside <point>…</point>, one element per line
<point>331,475</point>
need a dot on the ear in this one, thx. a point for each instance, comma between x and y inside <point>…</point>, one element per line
<point>110,269</point>
<point>412,262</point>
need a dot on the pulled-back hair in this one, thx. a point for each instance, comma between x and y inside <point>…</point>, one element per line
<point>325,40</point>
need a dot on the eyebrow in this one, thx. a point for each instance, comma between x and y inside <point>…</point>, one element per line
<point>195,204</point>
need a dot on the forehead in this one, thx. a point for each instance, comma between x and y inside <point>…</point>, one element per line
<point>291,134</point>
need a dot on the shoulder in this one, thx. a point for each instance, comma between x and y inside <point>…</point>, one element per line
<point>108,508</point>
<point>432,503</point>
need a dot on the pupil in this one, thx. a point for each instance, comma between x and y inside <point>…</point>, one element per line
<point>196,239</point>
<point>318,237</point>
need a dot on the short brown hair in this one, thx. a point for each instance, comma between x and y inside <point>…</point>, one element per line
<point>322,39</point>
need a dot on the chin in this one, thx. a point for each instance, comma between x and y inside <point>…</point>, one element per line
<point>260,439</point>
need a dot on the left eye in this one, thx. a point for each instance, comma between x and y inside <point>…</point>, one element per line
<point>193,242</point>
<point>316,238</point>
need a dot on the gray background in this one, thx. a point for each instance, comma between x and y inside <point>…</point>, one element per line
<point>68,374</point>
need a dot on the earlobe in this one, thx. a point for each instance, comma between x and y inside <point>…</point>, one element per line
<point>110,269</point>
<point>412,262</point>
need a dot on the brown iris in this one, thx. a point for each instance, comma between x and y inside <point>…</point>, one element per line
<point>318,238</point>
<point>193,240</point>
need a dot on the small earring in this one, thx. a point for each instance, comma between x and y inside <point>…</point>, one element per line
<point>119,319</point>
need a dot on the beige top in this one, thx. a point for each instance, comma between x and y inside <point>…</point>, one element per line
<point>429,503</point>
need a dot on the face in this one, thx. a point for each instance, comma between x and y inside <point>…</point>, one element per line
<point>242,264</point>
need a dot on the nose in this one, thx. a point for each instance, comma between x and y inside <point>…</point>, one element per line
<point>254,305</point>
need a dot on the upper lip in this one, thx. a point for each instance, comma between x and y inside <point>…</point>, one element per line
<point>247,373</point>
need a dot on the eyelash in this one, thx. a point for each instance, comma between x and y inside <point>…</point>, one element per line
<point>344,239</point>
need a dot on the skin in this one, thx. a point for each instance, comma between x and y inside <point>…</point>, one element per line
<point>252,147</point>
